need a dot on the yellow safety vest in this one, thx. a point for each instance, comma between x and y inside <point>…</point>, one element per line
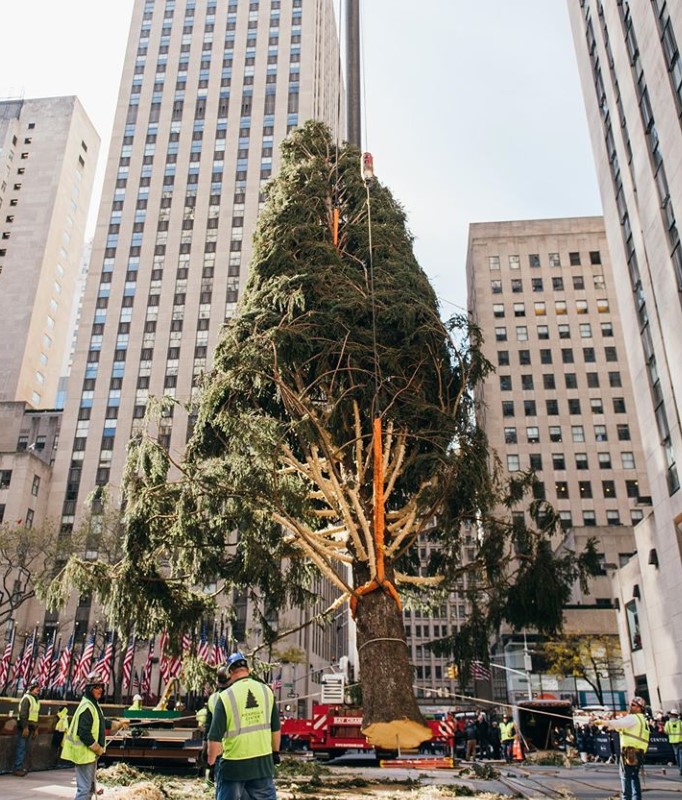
<point>506,731</point>
<point>673,728</point>
<point>136,706</point>
<point>201,716</point>
<point>212,700</point>
<point>62,720</point>
<point>72,747</point>
<point>640,740</point>
<point>248,711</point>
<point>33,707</point>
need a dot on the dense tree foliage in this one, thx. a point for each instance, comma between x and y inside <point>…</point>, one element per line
<point>276,483</point>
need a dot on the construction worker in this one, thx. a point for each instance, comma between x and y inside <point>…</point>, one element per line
<point>85,740</point>
<point>222,682</point>
<point>634,742</point>
<point>136,704</point>
<point>245,733</point>
<point>27,724</point>
<point>60,728</point>
<point>507,736</point>
<point>673,730</point>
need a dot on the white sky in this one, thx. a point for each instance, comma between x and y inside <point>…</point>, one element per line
<point>473,107</point>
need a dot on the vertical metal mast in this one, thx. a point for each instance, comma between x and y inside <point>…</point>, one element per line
<point>353,104</point>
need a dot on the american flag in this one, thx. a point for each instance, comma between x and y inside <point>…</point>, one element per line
<point>105,665</point>
<point>479,671</point>
<point>277,683</point>
<point>202,647</point>
<point>175,662</point>
<point>44,669</point>
<point>5,662</point>
<point>64,661</point>
<point>136,682</point>
<point>85,661</point>
<point>52,666</point>
<point>216,660</point>
<point>147,671</point>
<point>128,663</point>
<point>23,667</point>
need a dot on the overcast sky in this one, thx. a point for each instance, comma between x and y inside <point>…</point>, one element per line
<point>473,109</point>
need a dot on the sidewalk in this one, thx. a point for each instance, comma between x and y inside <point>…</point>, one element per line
<point>55,783</point>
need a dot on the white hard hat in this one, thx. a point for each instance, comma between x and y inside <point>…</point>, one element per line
<point>674,712</point>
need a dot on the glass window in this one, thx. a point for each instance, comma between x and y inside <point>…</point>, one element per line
<point>529,408</point>
<point>533,434</point>
<point>595,257</point>
<point>581,461</point>
<point>534,260</point>
<point>585,489</point>
<point>619,405</point>
<point>558,461</point>
<point>628,460</point>
<point>548,381</point>
<point>589,519</point>
<point>555,433</point>
<point>600,434</point>
<point>633,625</point>
<point>561,489</point>
<point>535,462</point>
<point>567,355</point>
<point>494,262</point>
<point>560,307</point>
<point>536,284</point>
<point>593,380</point>
<point>498,310</point>
<point>514,262</point>
<point>585,330</point>
<point>505,383</point>
<point>578,282</point>
<point>574,259</point>
<point>632,489</point>
<point>564,331</point>
<point>611,353</point>
<point>545,356</point>
<point>602,305</point>
<point>608,488</point>
<point>501,334</point>
<point>554,260</point>
<point>521,333</point>
<point>558,284</point>
<point>524,357</point>
<point>613,517</point>
<point>510,436</point>
<point>507,408</point>
<point>606,329</point>
<point>540,309</point>
<point>496,287</point>
<point>596,405</point>
<point>543,332</point>
<point>552,408</point>
<point>577,433</point>
<point>503,358</point>
<point>599,282</point>
<point>527,382</point>
<point>604,460</point>
<point>513,463</point>
<point>581,306</point>
<point>615,381</point>
<point>517,285</point>
<point>574,406</point>
<point>623,433</point>
<point>571,380</point>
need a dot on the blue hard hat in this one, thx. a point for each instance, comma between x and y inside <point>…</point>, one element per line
<point>236,660</point>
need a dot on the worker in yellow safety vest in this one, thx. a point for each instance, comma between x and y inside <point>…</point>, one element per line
<point>507,735</point>
<point>84,741</point>
<point>27,724</point>
<point>673,730</point>
<point>634,742</point>
<point>245,733</point>
<point>136,704</point>
<point>60,728</point>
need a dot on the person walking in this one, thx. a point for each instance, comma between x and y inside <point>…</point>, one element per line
<point>27,725</point>
<point>85,741</point>
<point>673,730</point>
<point>245,733</point>
<point>470,734</point>
<point>634,742</point>
<point>507,736</point>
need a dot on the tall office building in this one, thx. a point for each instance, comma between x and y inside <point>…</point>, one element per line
<point>48,156</point>
<point>209,90</point>
<point>560,401</point>
<point>631,73</point>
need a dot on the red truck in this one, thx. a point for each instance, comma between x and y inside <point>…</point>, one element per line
<point>334,729</point>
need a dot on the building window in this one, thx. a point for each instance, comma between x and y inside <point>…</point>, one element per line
<point>623,433</point>
<point>533,434</point>
<point>524,357</point>
<point>593,380</point>
<point>632,489</point>
<point>510,436</point>
<point>494,262</point>
<point>521,333</point>
<point>555,433</point>
<point>5,478</point>
<point>577,433</point>
<point>540,309</point>
<point>608,488</point>
<point>560,307</point>
<point>514,262</point>
<point>581,461</point>
<point>545,356</point>
<point>596,405</point>
<point>558,284</point>
<point>503,358</point>
<point>567,355</point>
<point>507,408</point>
<point>500,334</point>
<point>602,306</point>
<point>534,260</point>
<point>585,489</point>
<point>619,405</point>
<point>595,257</point>
<point>529,408</point>
<point>496,287</point>
<point>574,259</point>
<point>600,434</point>
<point>505,383</point>
<point>554,260</point>
<point>535,462</point>
<point>517,285</point>
<point>536,284</point>
<point>513,463</point>
<point>627,460</point>
<point>552,408</point>
<point>527,382</point>
<point>35,486</point>
<point>611,353</point>
<point>615,381</point>
<point>571,380</point>
<point>613,517</point>
<point>604,460</point>
<point>548,381</point>
<point>579,283</point>
<point>561,489</point>
<point>28,522</point>
<point>574,405</point>
<point>589,519</point>
<point>558,461</point>
<point>633,625</point>
<point>543,332</point>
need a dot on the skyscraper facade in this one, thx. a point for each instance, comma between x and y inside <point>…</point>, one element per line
<point>631,73</point>
<point>209,89</point>
<point>48,156</point>
<point>561,401</point>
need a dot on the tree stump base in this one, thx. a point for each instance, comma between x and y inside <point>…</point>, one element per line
<point>398,734</point>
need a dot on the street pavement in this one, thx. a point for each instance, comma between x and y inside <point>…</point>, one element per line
<point>584,782</point>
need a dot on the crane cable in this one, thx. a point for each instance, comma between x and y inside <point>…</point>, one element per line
<point>378,580</point>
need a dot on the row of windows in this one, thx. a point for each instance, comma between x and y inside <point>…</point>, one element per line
<point>538,284</point>
<point>549,381</point>
<point>552,409</point>
<point>581,462</point>
<point>589,354</point>
<point>555,434</point>
<point>589,519</point>
<point>553,259</point>
<point>563,331</point>
<point>560,308</point>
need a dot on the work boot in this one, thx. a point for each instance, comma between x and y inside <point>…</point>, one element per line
<point>19,773</point>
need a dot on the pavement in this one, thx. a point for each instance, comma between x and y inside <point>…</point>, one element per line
<point>584,782</point>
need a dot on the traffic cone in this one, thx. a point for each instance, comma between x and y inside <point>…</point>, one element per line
<point>517,750</point>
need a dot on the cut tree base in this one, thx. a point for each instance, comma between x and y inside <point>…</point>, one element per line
<point>398,734</point>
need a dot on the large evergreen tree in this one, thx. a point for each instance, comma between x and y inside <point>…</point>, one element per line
<point>277,480</point>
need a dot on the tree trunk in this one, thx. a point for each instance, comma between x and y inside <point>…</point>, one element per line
<point>392,718</point>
